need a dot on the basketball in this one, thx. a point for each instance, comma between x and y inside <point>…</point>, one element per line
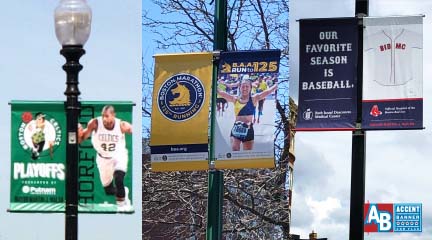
<point>26,117</point>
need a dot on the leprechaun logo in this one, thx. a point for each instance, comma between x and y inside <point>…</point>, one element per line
<point>181,97</point>
<point>39,134</point>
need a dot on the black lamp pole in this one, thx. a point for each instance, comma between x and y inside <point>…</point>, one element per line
<point>72,53</point>
<point>358,158</point>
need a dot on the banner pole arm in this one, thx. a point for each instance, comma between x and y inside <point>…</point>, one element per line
<point>215,179</point>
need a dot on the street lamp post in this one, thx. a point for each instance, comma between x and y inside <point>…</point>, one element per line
<point>72,27</point>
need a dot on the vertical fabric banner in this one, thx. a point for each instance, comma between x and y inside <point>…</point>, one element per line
<point>105,158</point>
<point>180,112</point>
<point>245,121</point>
<point>38,151</point>
<point>393,73</point>
<point>38,158</point>
<point>328,74</point>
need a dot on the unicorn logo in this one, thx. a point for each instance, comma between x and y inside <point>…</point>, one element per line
<point>226,68</point>
<point>183,98</point>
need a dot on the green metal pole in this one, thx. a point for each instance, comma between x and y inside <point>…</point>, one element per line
<point>215,180</point>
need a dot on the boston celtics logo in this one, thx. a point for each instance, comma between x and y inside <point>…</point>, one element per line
<point>39,135</point>
<point>181,97</point>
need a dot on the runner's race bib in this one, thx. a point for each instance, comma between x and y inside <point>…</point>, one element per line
<point>240,130</point>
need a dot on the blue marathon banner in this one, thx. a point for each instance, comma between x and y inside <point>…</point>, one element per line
<point>328,74</point>
<point>393,73</point>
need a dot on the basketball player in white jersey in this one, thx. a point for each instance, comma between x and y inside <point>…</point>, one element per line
<point>108,139</point>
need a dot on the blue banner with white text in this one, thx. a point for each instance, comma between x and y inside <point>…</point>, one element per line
<point>328,74</point>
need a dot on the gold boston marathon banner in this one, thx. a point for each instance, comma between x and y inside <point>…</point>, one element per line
<point>180,112</point>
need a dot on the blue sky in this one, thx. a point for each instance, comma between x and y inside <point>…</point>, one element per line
<point>30,69</point>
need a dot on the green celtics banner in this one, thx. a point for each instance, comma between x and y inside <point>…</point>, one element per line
<point>38,150</point>
<point>38,157</point>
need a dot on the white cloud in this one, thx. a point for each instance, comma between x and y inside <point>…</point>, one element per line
<point>321,210</point>
<point>398,7</point>
<point>325,217</point>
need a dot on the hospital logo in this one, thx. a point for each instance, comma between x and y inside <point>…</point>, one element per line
<point>39,134</point>
<point>308,114</point>
<point>181,97</point>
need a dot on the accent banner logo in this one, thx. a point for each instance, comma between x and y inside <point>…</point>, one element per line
<point>393,217</point>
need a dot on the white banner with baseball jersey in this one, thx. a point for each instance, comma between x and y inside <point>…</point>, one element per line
<point>393,73</point>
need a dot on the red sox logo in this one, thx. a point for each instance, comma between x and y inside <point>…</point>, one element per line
<point>375,111</point>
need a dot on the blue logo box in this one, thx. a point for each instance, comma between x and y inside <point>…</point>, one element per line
<point>407,217</point>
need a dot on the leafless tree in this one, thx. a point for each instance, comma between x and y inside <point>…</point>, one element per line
<point>256,202</point>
